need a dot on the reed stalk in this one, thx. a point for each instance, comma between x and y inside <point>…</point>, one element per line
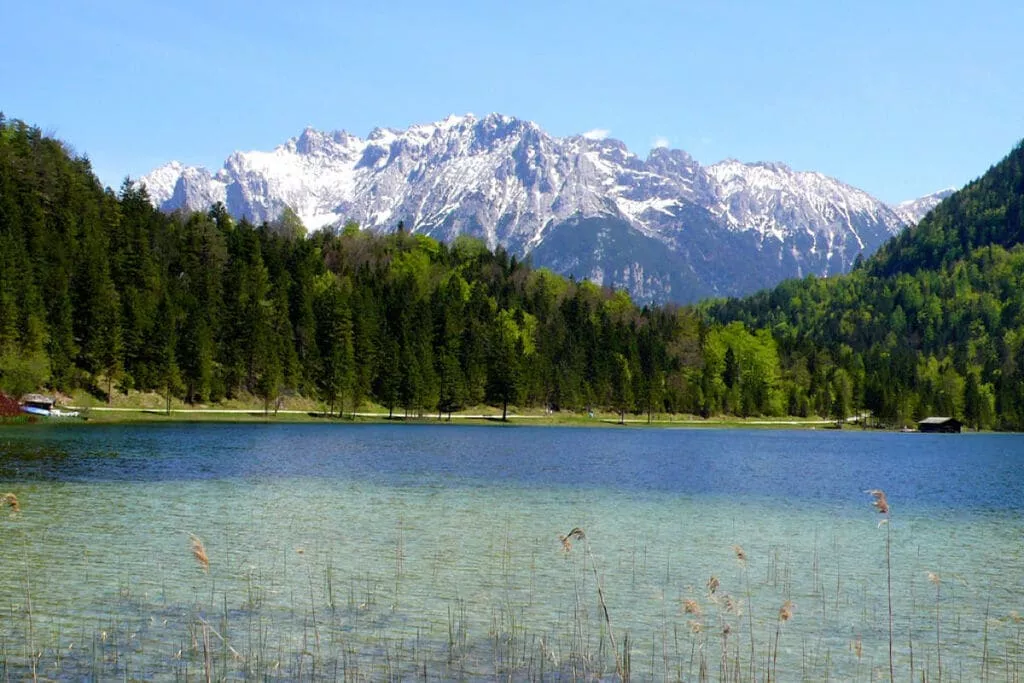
<point>785,614</point>
<point>882,505</point>
<point>910,637</point>
<point>741,556</point>
<point>578,534</point>
<point>937,582</point>
<point>312,603</point>
<point>207,654</point>
<point>984,649</point>
<point>31,626</point>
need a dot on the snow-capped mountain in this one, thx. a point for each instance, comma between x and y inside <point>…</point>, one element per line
<point>664,227</point>
<point>913,210</point>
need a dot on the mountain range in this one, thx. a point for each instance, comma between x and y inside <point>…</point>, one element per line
<point>664,227</point>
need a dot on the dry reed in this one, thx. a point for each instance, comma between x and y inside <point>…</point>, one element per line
<point>578,534</point>
<point>741,557</point>
<point>785,614</point>
<point>880,502</point>
<point>937,582</point>
<point>731,605</point>
<point>11,501</point>
<point>882,505</point>
<point>199,552</point>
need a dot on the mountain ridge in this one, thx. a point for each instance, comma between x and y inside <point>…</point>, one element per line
<point>507,181</point>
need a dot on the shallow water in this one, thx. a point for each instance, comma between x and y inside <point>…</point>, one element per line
<point>356,552</point>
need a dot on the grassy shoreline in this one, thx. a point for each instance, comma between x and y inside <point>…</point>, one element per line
<point>106,416</point>
<point>150,408</point>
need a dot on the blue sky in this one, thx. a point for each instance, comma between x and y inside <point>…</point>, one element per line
<point>899,97</point>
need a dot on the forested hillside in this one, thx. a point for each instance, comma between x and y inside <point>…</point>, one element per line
<point>933,324</point>
<point>100,290</point>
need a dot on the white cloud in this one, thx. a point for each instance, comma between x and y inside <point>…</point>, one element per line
<point>660,141</point>
<point>597,134</point>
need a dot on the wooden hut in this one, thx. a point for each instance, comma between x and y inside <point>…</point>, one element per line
<point>940,425</point>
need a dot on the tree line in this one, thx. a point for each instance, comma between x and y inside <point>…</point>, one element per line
<point>100,290</point>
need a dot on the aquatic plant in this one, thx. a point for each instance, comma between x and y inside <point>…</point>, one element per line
<point>936,581</point>
<point>741,557</point>
<point>785,614</point>
<point>578,534</point>
<point>275,613</point>
<point>882,505</point>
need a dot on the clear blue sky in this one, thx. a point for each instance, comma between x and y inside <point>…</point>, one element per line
<point>898,97</point>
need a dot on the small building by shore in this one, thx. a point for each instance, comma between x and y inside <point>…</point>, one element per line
<point>37,401</point>
<point>940,425</point>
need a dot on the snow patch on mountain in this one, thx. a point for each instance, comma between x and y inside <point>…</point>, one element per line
<point>777,201</point>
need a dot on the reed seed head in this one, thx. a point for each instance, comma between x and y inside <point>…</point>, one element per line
<point>732,605</point>
<point>934,578</point>
<point>11,501</point>
<point>199,552</point>
<point>786,611</point>
<point>713,584</point>
<point>576,534</point>
<point>692,607</point>
<point>695,626</point>
<point>741,555</point>
<point>880,503</point>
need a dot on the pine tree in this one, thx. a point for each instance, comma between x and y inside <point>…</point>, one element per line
<point>622,387</point>
<point>503,362</point>
<point>334,338</point>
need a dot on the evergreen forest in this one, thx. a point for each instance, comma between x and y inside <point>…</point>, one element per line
<point>99,290</point>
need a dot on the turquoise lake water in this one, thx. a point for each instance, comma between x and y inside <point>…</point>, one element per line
<point>402,552</point>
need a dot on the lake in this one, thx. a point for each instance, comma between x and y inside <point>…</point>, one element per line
<point>397,552</point>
